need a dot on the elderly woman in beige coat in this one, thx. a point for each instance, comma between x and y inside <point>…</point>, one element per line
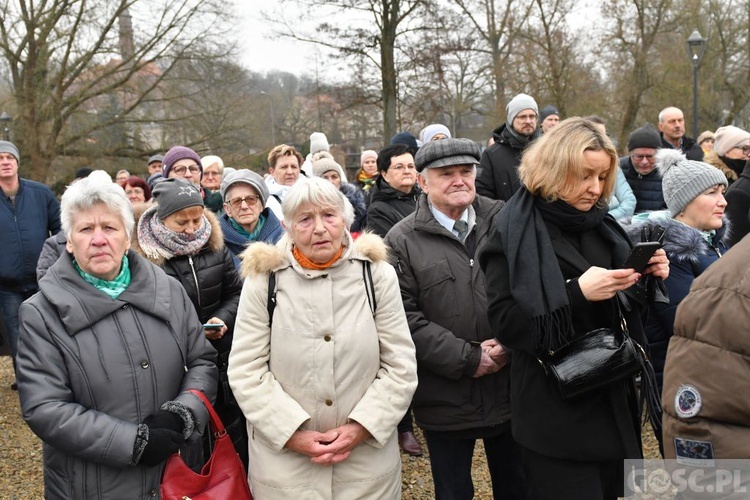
<point>323,381</point>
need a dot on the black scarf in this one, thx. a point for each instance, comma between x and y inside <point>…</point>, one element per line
<point>536,281</point>
<point>736,165</point>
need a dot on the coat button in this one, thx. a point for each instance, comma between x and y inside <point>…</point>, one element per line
<point>144,363</point>
<point>329,402</point>
<point>153,492</point>
<point>327,338</point>
<point>125,306</point>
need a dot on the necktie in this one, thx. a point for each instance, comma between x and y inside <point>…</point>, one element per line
<point>462,227</point>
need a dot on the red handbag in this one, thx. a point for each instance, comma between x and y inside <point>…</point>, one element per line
<point>222,477</point>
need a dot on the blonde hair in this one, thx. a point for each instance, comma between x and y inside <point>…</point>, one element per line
<point>553,164</point>
<point>283,150</point>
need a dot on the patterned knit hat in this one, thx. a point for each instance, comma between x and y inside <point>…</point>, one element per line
<point>172,195</point>
<point>683,180</point>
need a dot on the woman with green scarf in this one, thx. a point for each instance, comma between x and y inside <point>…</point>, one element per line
<point>107,352</point>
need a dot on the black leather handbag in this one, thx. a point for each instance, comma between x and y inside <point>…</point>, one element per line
<point>594,360</point>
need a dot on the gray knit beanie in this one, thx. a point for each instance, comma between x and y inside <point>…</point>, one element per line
<point>518,104</point>
<point>9,147</point>
<point>323,165</point>
<point>683,180</point>
<point>244,176</point>
<point>172,195</point>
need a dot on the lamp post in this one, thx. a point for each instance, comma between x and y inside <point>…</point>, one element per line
<point>696,45</point>
<point>7,121</point>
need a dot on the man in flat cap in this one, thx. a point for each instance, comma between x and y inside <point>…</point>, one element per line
<point>463,392</point>
<point>498,171</point>
<point>29,214</point>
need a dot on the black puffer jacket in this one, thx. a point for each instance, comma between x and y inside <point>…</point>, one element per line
<point>210,279</point>
<point>497,176</point>
<point>388,206</point>
<point>646,188</point>
<point>446,305</point>
<point>738,206</point>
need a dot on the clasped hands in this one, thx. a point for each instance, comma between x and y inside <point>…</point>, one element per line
<point>494,358</point>
<point>330,447</point>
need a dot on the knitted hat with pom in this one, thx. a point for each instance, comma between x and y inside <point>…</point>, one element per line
<point>683,180</point>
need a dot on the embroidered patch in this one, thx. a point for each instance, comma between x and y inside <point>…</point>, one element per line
<point>695,453</point>
<point>687,401</point>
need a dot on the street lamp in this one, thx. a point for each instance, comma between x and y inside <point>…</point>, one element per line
<point>273,120</point>
<point>7,121</point>
<point>696,48</point>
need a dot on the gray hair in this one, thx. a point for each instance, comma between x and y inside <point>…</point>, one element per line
<point>318,192</point>
<point>95,189</point>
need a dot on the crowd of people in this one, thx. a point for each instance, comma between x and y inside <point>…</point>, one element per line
<point>325,317</point>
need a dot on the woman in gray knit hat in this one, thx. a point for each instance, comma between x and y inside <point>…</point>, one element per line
<point>696,235</point>
<point>183,237</point>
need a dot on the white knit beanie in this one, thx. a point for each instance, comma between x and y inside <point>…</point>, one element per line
<point>728,138</point>
<point>318,142</point>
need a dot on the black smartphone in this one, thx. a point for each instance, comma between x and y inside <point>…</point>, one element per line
<point>640,255</point>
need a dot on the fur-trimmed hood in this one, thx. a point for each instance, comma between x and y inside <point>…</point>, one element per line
<point>714,160</point>
<point>263,258</point>
<point>215,241</point>
<point>681,242</point>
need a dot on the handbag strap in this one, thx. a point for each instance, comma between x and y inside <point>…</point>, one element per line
<point>216,425</point>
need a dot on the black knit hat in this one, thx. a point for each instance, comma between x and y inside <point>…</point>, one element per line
<point>644,137</point>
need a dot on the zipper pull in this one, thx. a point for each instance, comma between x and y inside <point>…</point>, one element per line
<point>471,263</point>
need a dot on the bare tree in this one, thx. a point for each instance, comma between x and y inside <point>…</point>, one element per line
<point>498,24</point>
<point>631,48</point>
<point>372,34</point>
<point>70,59</point>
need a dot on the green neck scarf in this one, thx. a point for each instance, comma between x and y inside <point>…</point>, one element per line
<point>112,288</point>
<point>256,232</point>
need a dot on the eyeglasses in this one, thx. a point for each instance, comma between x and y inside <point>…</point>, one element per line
<point>401,167</point>
<point>250,200</point>
<point>525,118</point>
<point>134,191</point>
<point>211,174</point>
<point>640,158</point>
<point>745,150</point>
<point>194,169</point>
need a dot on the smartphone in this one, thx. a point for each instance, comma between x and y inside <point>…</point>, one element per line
<point>640,255</point>
<point>213,326</point>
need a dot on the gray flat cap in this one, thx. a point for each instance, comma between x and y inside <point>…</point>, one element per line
<point>446,153</point>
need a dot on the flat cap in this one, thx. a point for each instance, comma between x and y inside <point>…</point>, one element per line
<point>446,153</point>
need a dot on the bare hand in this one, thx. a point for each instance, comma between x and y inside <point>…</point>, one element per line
<point>486,366</point>
<point>599,284</point>
<point>496,351</point>
<point>215,333</point>
<point>311,443</point>
<point>349,437</point>
<point>658,265</point>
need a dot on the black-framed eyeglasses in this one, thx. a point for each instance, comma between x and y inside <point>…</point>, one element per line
<point>745,150</point>
<point>194,169</point>
<point>250,200</point>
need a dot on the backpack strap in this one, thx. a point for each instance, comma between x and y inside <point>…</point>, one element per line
<point>369,286</point>
<point>271,305</point>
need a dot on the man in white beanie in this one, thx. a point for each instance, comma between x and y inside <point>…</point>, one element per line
<point>29,214</point>
<point>497,176</point>
<point>318,142</point>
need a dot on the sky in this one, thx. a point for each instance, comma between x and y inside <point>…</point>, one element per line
<point>262,50</point>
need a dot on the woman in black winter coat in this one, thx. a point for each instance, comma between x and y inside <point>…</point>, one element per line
<point>183,238</point>
<point>552,269</point>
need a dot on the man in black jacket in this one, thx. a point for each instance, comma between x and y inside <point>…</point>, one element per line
<point>639,168</point>
<point>497,176</point>
<point>463,392</point>
<point>672,132</point>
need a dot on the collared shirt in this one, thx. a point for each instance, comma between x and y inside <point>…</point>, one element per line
<point>469,216</point>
